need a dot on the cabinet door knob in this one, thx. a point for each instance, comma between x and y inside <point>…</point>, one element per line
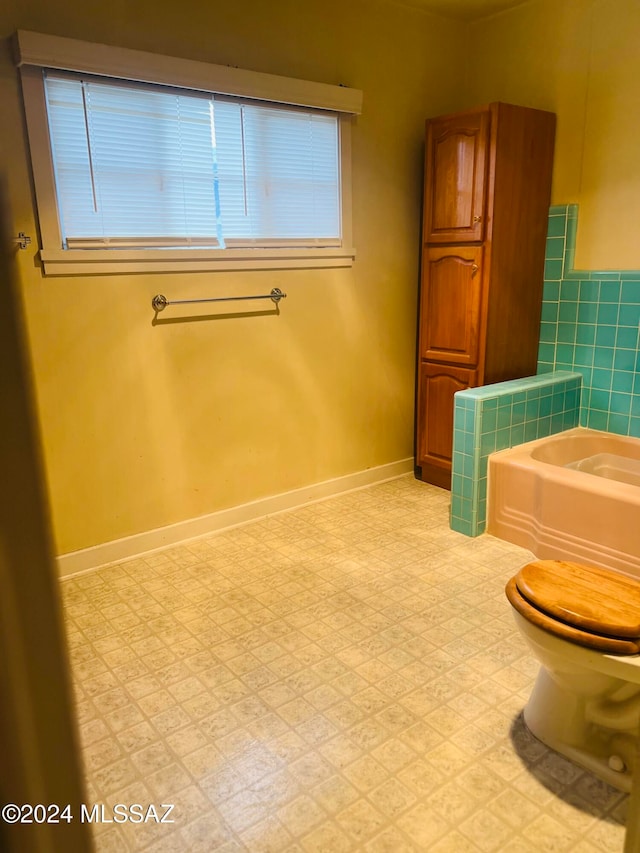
<point>474,269</point>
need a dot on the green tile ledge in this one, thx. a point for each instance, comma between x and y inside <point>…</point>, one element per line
<point>495,417</point>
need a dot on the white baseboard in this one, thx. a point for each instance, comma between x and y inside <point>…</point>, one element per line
<point>78,562</point>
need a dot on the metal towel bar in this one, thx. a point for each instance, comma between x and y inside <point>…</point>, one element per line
<point>160,302</point>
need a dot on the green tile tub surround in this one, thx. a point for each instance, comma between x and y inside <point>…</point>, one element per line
<point>494,417</point>
<point>590,324</point>
<point>589,334</point>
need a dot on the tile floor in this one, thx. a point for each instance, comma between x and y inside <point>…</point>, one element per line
<point>342,677</point>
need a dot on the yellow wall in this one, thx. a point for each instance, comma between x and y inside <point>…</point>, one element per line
<point>581,59</point>
<point>149,425</point>
<point>38,737</point>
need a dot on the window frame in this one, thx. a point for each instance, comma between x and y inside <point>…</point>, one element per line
<point>36,52</point>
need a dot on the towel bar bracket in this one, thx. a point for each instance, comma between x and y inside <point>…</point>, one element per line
<point>22,240</point>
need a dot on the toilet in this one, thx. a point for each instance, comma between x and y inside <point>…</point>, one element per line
<point>582,623</point>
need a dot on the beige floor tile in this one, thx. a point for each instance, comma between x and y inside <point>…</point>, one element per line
<point>423,826</point>
<point>327,837</point>
<point>391,840</point>
<point>267,836</point>
<point>392,797</point>
<point>361,820</point>
<point>344,677</point>
<point>454,842</point>
<point>486,830</point>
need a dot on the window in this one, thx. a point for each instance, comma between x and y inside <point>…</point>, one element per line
<point>143,165</point>
<point>152,172</point>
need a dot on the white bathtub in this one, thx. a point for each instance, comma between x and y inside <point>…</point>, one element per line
<point>574,495</point>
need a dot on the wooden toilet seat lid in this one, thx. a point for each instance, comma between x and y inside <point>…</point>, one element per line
<point>591,599</point>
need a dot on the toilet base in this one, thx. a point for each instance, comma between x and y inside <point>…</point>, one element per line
<point>560,719</point>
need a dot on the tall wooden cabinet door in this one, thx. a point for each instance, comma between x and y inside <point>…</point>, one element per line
<point>437,385</point>
<point>434,440</point>
<point>455,178</point>
<point>451,304</point>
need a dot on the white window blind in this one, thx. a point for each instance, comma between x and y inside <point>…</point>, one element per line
<point>142,166</point>
<point>278,172</point>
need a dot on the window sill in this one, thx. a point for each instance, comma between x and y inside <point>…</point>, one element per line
<point>116,261</point>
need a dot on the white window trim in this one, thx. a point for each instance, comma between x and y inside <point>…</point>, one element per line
<point>36,51</point>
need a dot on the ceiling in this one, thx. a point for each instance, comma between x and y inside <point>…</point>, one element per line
<point>468,10</point>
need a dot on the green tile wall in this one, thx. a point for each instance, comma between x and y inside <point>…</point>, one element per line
<point>589,355</point>
<point>494,417</point>
<point>590,324</point>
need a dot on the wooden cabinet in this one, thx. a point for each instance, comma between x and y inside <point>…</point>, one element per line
<point>486,204</point>
<point>456,159</point>
<point>450,310</point>
<point>438,383</point>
